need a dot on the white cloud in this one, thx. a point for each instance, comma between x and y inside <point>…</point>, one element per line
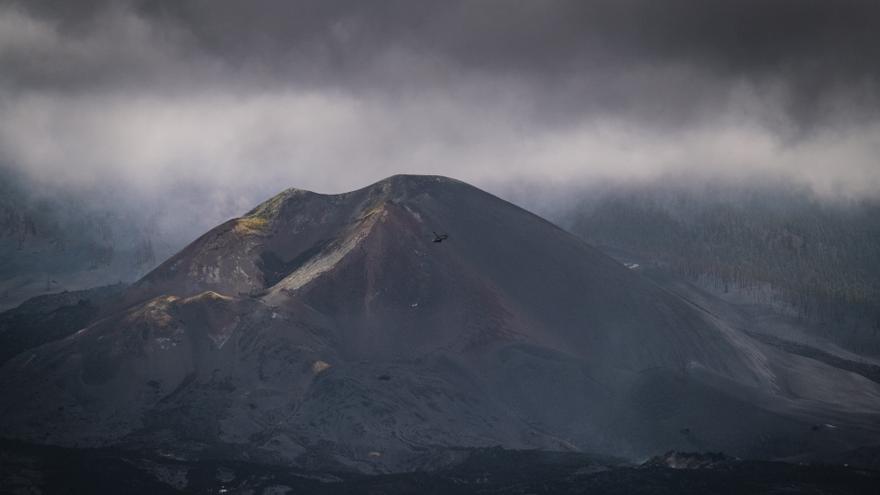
<point>177,118</point>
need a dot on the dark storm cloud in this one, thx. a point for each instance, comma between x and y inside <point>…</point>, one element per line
<point>579,55</point>
<point>247,97</point>
<point>549,36</point>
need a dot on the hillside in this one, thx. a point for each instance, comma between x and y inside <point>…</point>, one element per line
<point>332,332</point>
<point>773,244</point>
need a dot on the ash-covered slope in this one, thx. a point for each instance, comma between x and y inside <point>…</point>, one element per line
<point>332,329</point>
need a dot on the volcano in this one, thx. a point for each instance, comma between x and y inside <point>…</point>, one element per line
<point>332,330</point>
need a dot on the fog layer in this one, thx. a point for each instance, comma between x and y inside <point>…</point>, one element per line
<point>197,110</point>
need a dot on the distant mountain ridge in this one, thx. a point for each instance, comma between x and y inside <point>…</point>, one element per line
<point>52,241</point>
<point>815,258</point>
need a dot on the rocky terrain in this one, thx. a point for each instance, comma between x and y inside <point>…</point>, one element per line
<point>49,317</point>
<point>330,333</point>
<point>32,469</point>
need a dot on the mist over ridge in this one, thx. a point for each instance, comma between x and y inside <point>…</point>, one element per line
<point>151,97</point>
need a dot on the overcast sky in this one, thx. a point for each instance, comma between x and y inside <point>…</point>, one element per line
<point>229,101</point>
